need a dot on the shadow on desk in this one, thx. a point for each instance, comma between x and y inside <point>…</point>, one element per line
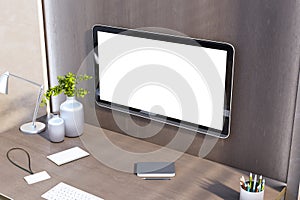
<point>219,189</point>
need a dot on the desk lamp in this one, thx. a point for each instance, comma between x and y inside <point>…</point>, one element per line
<point>34,126</point>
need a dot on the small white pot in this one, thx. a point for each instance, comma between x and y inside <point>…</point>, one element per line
<point>56,129</point>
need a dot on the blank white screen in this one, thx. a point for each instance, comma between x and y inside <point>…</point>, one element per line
<point>152,95</point>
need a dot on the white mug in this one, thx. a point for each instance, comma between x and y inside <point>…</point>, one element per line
<point>56,129</point>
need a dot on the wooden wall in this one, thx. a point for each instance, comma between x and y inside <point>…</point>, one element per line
<point>266,38</point>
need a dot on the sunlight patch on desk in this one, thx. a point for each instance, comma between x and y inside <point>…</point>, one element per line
<point>95,140</point>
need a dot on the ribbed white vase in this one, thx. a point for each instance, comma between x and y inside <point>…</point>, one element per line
<point>73,115</point>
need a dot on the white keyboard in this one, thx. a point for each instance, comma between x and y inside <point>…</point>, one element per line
<point>68,155</point>
<point>63,191</point>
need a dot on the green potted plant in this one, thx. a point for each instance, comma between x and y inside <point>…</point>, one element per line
<point>71,111</point>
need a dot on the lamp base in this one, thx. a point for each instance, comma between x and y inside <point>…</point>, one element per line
<point>30,129</point>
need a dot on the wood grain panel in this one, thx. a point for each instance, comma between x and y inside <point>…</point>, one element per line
<point>264,34</point>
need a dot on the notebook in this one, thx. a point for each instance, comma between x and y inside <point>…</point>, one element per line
<point>155,169</point>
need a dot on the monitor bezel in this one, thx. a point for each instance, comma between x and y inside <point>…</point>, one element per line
<point>225,132</point>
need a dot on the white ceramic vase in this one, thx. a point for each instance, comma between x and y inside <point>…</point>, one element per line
<point>73,115</point>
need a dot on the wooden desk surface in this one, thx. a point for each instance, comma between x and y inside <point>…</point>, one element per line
<point>196,178</point>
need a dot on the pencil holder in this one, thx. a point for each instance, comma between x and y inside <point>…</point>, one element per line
<point>245,195</point>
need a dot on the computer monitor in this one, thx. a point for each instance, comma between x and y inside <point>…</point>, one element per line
<point>172,79</point>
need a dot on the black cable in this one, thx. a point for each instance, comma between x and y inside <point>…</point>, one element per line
<point>28,156</point>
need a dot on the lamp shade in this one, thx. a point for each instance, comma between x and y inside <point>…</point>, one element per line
<point>4,83</point>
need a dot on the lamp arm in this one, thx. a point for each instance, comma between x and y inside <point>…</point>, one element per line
<point>34,83</point>
<point>33,127</point>
<point>37,105</point>
<point>38,100</point>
